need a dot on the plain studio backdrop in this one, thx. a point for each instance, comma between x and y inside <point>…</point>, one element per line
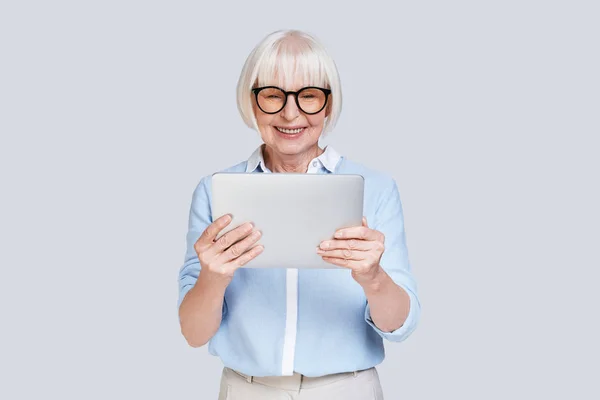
<point>485,113</point>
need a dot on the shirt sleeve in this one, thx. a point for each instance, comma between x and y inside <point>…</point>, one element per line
<point>200,217</point>
<point>389,220</point>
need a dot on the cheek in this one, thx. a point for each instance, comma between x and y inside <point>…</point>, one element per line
<point>263,119</point>
<point>316,120</point>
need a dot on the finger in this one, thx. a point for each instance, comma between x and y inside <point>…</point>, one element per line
<point>249,255</point>
<point>346,254</point>
<point>357,232</point>
<point>230,238</point>
<point>350,264</point>
<point>210,233</point>
<point>352,244</point>
<point>364,222</point>
<point>239,248</point>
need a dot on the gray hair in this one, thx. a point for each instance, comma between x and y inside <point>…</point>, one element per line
<point>288,55</point>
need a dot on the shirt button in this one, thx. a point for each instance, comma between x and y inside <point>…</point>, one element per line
<point>314,163</point>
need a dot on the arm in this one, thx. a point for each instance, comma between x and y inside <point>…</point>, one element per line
<point>209,268</point>
<point>201,305</point>
<point>379,261</point>
<point>201,311</point>
<point>389,304</point>
<point>393,308</point>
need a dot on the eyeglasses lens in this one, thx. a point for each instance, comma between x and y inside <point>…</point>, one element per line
<point>271,100</point>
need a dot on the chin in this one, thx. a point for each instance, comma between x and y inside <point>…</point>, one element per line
<point>290,148</point>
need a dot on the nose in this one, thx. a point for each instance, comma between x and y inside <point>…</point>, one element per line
<point>290,111</point>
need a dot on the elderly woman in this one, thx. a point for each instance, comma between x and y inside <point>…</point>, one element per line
<point>289,333</point>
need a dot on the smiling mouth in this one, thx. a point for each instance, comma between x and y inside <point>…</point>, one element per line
<point>290,131</point>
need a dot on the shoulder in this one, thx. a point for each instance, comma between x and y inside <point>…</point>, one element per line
<point>375,180</point>
<point>203,187</point>
<point>381,194</point>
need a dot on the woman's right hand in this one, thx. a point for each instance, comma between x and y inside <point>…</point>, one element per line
<point>220,258</point>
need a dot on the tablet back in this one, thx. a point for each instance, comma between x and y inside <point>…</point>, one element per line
<point>294,212</point>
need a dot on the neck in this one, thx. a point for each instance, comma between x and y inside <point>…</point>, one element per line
<point>297,163</point>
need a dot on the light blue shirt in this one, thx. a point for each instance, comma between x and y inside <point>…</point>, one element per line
<point>277,321</point>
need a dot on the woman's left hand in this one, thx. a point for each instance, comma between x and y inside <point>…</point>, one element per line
<point>358,248</point>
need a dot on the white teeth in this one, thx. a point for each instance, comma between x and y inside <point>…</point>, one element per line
<point>290,131</point>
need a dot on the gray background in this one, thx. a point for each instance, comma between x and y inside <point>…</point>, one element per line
<point>486,113</point>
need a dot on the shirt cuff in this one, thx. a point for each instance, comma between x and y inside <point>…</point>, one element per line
<point>406,329</point>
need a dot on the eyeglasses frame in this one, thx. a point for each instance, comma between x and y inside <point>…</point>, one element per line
<point>295,94</point>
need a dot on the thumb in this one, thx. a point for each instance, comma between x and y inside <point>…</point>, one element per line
<point>364,222</point>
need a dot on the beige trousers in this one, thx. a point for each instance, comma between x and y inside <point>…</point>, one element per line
<point>359,385</point>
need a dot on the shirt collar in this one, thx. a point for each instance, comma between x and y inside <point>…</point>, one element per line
<point>329,159</point>
<point>256,160</point>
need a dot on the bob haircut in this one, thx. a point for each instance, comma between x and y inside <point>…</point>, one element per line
<point>280,59</point>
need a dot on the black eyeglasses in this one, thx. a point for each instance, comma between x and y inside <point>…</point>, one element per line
<point>311,99</point>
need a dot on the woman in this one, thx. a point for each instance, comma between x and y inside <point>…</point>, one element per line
<point>289,333</point>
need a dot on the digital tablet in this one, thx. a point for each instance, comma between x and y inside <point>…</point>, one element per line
<point>294,212</point>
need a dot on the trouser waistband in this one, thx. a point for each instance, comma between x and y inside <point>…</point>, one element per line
<point>296,381</point>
